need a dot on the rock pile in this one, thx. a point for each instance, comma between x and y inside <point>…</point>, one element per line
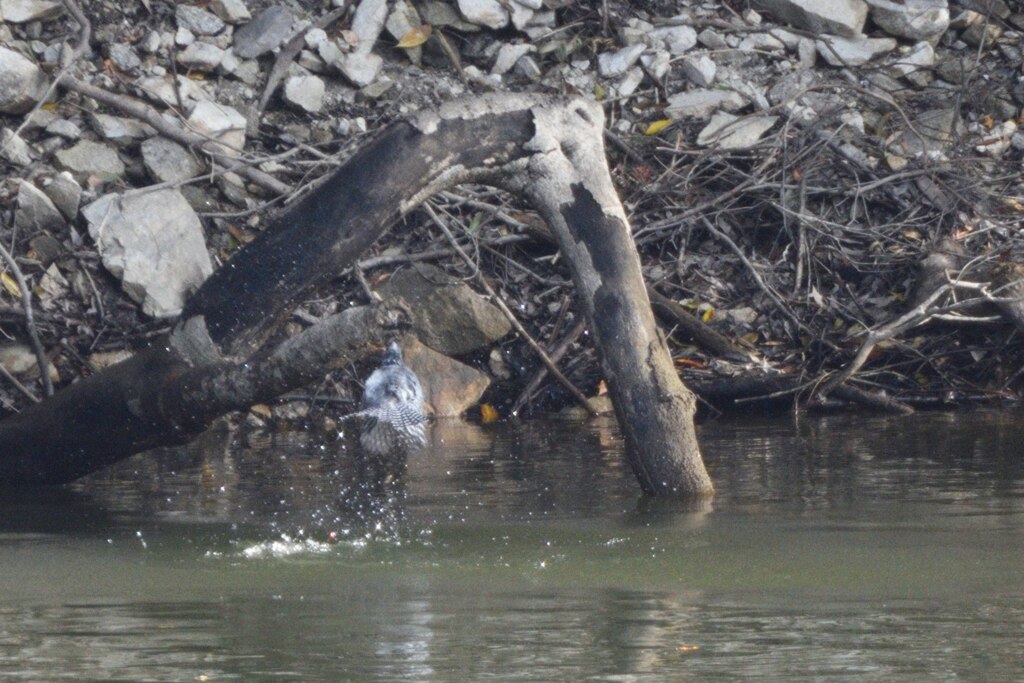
<point>848,116</point>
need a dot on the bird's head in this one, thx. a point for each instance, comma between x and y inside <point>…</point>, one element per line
<point>393,355</point>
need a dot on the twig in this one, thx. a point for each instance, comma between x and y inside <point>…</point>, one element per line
<point>30,323</point>
<point>149,115</point>
<point>18,385</point>
<point>287,55</point>
<point>552,368</point>
<point>542,372</point>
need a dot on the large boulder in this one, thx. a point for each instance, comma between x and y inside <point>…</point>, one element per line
<point>447,315</point>
<point>153,242</point>
<point>450,388</point>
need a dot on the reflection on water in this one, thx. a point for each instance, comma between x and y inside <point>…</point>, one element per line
<point>847,547</point>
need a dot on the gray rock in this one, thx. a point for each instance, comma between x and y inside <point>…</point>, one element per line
<point>88,158</point>
<point>489,13</point>
<point>220,122</point>
<point>267,30</point>
<point>198,21</point>
<point>14,149</point>
<point>230,11</point>
<point>183,37</point>
<point>763,42</point>
<point>839,51</point>
<point>368,22</point>
<point>448,316</point>
<point>726,131</point>
<point>24,11</point>
<point>635,31</point>
<point>119,127</point>
<point>677,39</point>
<point>150,43</point>
<point>527,66</point>
<point>35,211</point>
<point>508,55</point>
<point>915,64</point>
<point>914,19</point>
<point>169,162</point>
<point>22,83</point>
<point>162,89</point>
<point>611,64</point>
<point>65,194</point>
<point>306,92</point>
<point>450,388</point>
<point>699,104</point>
<point>521,15</point>
<point>361,68</point>
<point>404,18</point>
<point>64,128</point>
<point>712,39</point>
<point>201,56</point>
<point>124,57</point>
<point>934,130</point>
<point>153,242</point>
<point>699,69</point>
<point>841,17</point>
<point>440,14</point>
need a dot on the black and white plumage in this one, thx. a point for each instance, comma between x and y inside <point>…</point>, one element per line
<point>392,416</point>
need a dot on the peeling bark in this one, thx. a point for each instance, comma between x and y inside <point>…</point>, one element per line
<point>549,150</point>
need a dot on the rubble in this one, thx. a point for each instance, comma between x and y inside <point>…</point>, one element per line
<point>818,136</point>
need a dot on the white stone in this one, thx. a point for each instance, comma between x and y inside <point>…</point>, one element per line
<point>839,51</point>
<point>611,64</point>
<point>306,92</point>
<point>521,15</point>
<point>14,149</point>
<point>699,69</point>
<point>712,39</point>
<point>914,19</point>
<point>24,11</point>
<point>657,63</point>
<point>842,17</point>
<point>726,131</point>
<point>231,11</point>
<point>183,37</point>
<point>368,22</point>
<point>489,13</point>
<point>153,242</point>
<point>360,68</point>
<point>22,83</point>
<point>630,82</point>
<point>699,104</point>
<point>201,56</point>
<point>162,88</point>
<point>220,122</point>
<point>508,55</point>
<point>678,39</point>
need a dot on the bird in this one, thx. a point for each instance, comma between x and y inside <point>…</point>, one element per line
<point>391,417</point>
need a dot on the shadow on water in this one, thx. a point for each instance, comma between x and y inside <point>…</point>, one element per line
<point>848,547</point>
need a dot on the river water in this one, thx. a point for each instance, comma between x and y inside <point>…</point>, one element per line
<point>840,548</point>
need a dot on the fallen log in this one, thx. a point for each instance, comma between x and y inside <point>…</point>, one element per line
<point>548,150</point>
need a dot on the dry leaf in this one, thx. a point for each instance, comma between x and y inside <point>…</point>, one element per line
<point>602,388</point>
<point>416,36</point>
<point>708,314</point>
<point>488,413</point>
<point>657,126</point>
<point>261,410</point>
<point>10,284</point>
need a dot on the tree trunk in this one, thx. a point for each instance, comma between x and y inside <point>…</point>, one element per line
<point>548,150</point>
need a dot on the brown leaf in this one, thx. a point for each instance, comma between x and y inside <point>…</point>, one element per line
<point>416,36</point>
